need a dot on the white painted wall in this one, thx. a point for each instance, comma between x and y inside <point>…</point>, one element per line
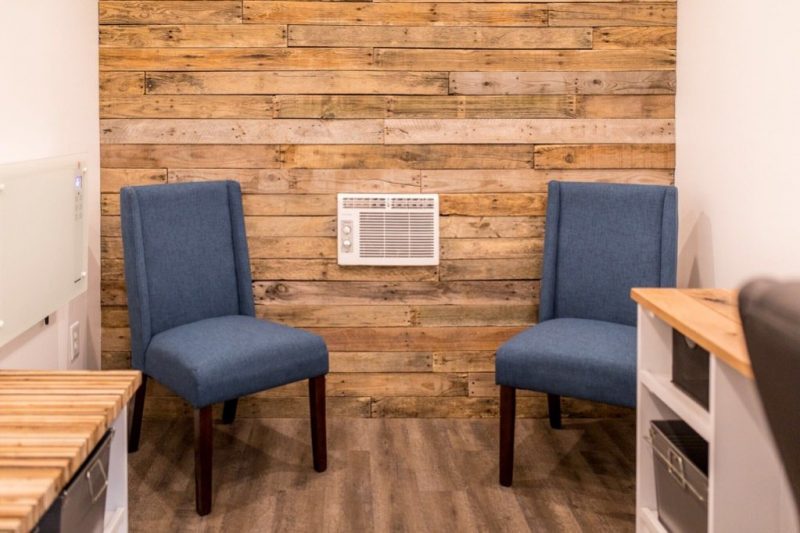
<point>48,108</point>
<point>738,141</point>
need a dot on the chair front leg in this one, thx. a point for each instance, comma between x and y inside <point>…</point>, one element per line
<point>135,432</point>
<point>203,446</point>
<point>508,416</point>
<point>316,399</point>
<point>229,411</point>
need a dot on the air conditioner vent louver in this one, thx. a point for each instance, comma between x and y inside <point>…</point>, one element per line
<point>365,203</point>
<point>412,203</point>
<point>392,229</point>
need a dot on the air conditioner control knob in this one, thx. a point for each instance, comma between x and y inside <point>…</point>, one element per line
<point>346,230</point>
<point>347,243</point>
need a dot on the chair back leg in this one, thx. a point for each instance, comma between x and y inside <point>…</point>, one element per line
<point>508,416</point>
<point>554,410</point>
<point>229,411</point>
<point>319,446</point>
<point>135,430</point>
<point>203,446</point>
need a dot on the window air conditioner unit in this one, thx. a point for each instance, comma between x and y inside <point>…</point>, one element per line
<point>388,229</point>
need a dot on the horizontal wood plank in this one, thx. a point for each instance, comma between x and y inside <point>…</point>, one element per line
<point>633,106</point>
<point>518,204</point>
<point>533,60</point>
<point>417,338</point>
<point>474,315</point>
<point>410,14</point>
<point>120,84</point>
<point>381,361</point>
<point>397,384</point>
<point>112,179</point>
<point>329,270</point>
<point>291,226</point>
<point>546,131</point>
<point>292,247</point>
<point>606,156</point>
<point>192,36</point>
<point>170,12</point>
<point>464,361</point>
<point>187,106</point>
<point>635,37</point>
<point>241,131</point>
<point>305,82</point>
<point>484,107</point>
<point>562,82</point>
<point>494,248</point>
<point>339,316</point>
<point>396,293</point>
<point>522,268</point>
<point>612,14</point>
<point>189,156</point>
<point>454,226</point>
<point>439,37</point>
<point>292,205</point>
<point>529,180</point>
<point>166,59</point>
<point>408,156</point>
<point>331,106</point>
<point>307,181</point>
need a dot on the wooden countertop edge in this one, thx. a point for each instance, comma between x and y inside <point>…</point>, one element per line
<point>121,387</point>
<point>726,344</point>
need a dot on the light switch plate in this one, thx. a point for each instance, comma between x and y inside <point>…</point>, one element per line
<point>75,341</point>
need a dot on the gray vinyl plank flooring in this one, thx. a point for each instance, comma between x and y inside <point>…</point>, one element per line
<point>388,475</point>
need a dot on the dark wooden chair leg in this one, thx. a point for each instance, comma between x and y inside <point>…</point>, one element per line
<point>203,447</point>
<point>508,416</point>
<point>554,410</point>
<point>229,411</point>
<point>135,431</point>
<point>316,399</point>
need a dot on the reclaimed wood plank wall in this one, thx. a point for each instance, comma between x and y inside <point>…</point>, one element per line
<point>481,102</point>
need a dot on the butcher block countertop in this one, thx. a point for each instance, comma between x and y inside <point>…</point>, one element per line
<point>710,317</point>
<point>50,421</point>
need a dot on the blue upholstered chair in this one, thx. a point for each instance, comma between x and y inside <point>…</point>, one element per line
<point>192,316</point>
<point>601,240</point>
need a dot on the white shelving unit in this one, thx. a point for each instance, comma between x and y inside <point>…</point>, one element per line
<point>748,491</point>
<point>116,519</point>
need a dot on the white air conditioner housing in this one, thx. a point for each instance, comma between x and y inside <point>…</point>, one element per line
<point>388,229</point>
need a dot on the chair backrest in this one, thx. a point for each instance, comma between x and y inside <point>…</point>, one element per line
<point>186,257</point>
<point>770,314</point>
<point>601,240</point>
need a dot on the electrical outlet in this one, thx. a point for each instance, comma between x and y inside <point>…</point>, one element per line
<point>75,341</point>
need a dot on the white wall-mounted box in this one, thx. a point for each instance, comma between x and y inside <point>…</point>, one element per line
<point>43,240</point>
<point>388,229</point>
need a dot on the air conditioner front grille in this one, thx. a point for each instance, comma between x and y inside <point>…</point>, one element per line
<point>397,235</point>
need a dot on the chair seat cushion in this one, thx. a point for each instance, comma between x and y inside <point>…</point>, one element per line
<point>581,358</point>
<point>222,358</point>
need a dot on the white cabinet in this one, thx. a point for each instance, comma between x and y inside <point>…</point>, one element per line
<point>748,491</point>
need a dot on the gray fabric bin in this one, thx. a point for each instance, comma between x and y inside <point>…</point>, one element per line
<point>690,368</point>
<point>680,458</point>
<point>81,506</point>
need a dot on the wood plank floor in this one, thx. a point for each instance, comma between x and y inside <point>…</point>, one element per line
<point>389,475</point>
